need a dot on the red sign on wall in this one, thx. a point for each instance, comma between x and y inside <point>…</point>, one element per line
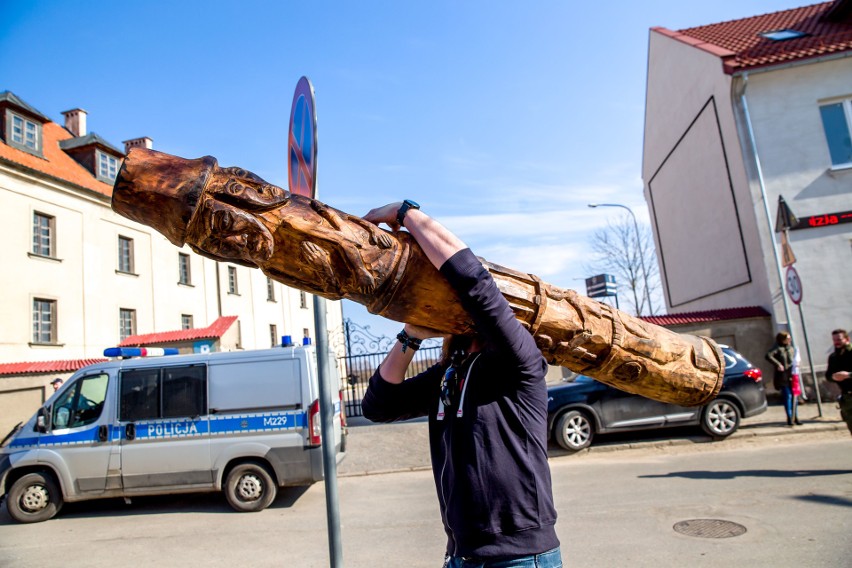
<point>824,220</point>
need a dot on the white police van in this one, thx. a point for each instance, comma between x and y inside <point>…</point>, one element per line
<point>243,422</point>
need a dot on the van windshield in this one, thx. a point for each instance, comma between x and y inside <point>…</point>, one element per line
<point>82,403</point>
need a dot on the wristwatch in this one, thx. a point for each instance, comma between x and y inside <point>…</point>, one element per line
<point>406,205</point>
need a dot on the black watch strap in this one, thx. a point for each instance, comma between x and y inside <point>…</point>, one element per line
<point>403,209</point>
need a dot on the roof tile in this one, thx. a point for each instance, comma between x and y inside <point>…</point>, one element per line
<point>707,316</point>
<point>43,367</point>
<point>214,330</point>
<point>739,43</point>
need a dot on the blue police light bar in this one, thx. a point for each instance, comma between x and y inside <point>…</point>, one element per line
<point>139,351</point>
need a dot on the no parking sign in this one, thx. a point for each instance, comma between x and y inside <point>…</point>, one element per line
<point>794,285</point>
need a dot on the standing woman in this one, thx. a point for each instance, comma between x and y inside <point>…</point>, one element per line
<point>782,356</point>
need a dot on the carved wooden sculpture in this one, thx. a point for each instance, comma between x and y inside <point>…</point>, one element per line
<point>231,215</point>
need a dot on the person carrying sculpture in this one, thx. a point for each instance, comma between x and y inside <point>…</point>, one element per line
<point>840,371</point>
<point>486,401</point>
<point>782,356</point>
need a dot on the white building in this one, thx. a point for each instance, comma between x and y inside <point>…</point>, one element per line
<point>78,278</point>
<point>737,115</point>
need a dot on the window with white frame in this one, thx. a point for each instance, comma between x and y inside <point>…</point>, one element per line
<point>107,166</point>
<point>44,227</point>
<point>125,255</point>
<point>126,323</point>
<point>837,124</point>
<point>24,134</point>
<point>186,321</point>
<point>44,321</point>
<point>184,272</point>
<point>273,335</point>
<point>233,288</point>
<point>303,300</point>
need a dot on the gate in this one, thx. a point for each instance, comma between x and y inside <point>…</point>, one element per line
<point>364,354</point>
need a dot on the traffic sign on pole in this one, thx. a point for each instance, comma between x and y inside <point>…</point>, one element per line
<point>302,143</point>
<point>794,285</point>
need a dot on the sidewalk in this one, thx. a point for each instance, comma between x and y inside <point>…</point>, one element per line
<point>404,446</point>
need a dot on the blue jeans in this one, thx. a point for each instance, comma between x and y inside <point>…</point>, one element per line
<point>791,403</point>
<point>549,559</point>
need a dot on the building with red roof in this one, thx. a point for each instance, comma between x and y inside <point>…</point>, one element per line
<point>79,278</point>
<point>739,116</point>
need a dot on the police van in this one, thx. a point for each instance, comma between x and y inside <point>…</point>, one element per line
<point>241,422</point>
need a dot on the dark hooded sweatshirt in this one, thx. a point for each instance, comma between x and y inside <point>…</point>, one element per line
<point>489,451</point>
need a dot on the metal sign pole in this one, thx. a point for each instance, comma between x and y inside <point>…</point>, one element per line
<point>810,359</point>
<point>302,174</point>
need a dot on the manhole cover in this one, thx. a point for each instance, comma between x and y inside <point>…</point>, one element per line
<point>709,528</point>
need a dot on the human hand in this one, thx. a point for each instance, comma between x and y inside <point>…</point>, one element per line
<point>420,332</point>
<point>840,376</point>
<point>385,214</point>
<point>780,368</point>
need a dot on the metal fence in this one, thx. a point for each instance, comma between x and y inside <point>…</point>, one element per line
<point>359,369</point>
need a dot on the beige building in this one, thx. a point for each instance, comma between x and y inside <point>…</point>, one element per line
<point>737,115</point>
<point>79,278</point>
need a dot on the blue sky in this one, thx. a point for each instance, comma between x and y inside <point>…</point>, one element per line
<point>502,119</point>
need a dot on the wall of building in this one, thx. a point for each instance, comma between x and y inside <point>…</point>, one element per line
<point>784,110</point>
<point>695,184</point>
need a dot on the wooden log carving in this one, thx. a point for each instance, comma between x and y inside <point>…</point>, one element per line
<point>232,215</point>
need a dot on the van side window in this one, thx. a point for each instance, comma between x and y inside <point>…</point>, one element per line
<point>82,403</point>
<point>184,392</point>
<point>140,395</point>
<point>170,392</point>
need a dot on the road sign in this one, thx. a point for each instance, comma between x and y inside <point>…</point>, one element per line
<point>794,285</point>
<point>787,256</point>
<point>784,219</point>
<point>302,146</point>
<point>600,286</point>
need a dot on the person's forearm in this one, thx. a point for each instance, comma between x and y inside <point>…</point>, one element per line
<point>437,242</point>
<point>395,365</point>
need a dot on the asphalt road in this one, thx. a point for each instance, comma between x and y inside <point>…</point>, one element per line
<point>791,494</point>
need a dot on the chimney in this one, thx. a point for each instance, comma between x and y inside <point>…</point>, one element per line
<point>75,121</point>
<point>143,142</point>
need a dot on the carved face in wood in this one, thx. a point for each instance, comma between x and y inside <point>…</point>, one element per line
<point>225,226</point>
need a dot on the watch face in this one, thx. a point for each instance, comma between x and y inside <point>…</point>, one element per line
<point>411,204</point>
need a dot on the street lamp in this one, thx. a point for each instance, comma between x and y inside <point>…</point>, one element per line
<point>638,244</point>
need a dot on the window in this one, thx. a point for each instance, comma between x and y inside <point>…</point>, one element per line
<point>107,166</point>
<point>43,230</point>
<point>186,321</point>
<point>24,134</point>
<point>125,255</point>
<point>239,334</point>
<point>232,280</point>
<point>837,123</point>
<point>783,35</point>
<point>170,392</point>
<point>273,335</point>
<point>81,404</point>
<point>44,321</point>
<point>306,339</point>
<point>270,289</point>
<point>126,323</point>
<point>303,299</point>
<point>185,274</point>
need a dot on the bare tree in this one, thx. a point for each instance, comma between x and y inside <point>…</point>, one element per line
<point>619,252</point>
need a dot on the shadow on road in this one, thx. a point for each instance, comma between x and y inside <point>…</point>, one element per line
<point>213,503</point>
<point>750,473</point>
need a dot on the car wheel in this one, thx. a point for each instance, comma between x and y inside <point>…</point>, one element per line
<point>574,431</point>
<point>721,418</point>
<point>33,498</point>
<point>250,488</point>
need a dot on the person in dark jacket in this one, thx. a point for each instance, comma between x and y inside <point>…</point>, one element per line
<point>782,356</point>
<point>840,371</point>
<point>487,408</point>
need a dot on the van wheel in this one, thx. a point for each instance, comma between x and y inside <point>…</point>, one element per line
<point>250,488</point>
<point>574,431</point>
<point>33,498</point>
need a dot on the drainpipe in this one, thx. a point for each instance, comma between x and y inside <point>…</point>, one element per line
<point>762,184</point>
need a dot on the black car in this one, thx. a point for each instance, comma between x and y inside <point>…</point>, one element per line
<point>584,407</point>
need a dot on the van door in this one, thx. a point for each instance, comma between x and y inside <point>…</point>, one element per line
<point>165,432</point>
<point>79,434</point>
